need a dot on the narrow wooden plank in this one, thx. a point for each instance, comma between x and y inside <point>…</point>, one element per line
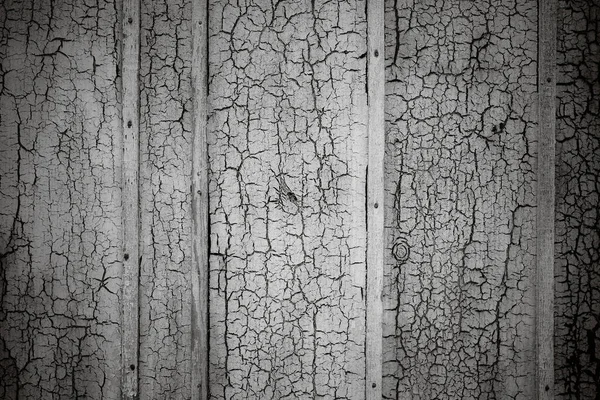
<point>130,197</point>
<point>375,194</point>
<point>545,199</point>
<point>199,236</point>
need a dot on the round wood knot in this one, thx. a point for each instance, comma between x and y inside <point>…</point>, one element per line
<point>400,250</point>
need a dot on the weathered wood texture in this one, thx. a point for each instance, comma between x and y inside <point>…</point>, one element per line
<point>577,300</point>
<point>545,203</point>
<point>375,197</point>
<point>287,151</point>
<point>60,199</point>
<point>200,224</point>
<point>460,206</point>
<point>165,174</point>
<point>130,125</point>
<point>287,131</point>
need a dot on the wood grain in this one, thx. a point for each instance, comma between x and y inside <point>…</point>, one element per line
<point>375,194</point>
<point>130,171</point>
<point>545,199</point>
<point>199,270</point>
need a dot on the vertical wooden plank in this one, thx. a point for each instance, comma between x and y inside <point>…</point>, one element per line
<point>60,201</point>
<point>460,229</point>
<point>545,198</point>
<point>165,81</point>
<point>288,151</point>
<point>577,232</point>
<point>375,193</point>
<point>200,238</point>
<point>130,170</point>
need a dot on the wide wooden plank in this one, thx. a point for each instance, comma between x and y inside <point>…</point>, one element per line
<point>288,155</point>
<point>577,231</point>
<point>130,171</point>
<point>461,126</point>
<point>60,201</point>
<point>199,270</point>
<point>545,199</point>
<point>375,195</point>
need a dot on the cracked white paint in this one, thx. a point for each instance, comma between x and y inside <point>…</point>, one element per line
<point>460,181</point>
<point>60,195</point>
<point>287,155</point>
<point>577,267</point>
<point>287,146</point>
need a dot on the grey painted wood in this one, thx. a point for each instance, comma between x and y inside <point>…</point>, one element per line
<point>200,268</point>
<point>130,171</point>
<point>545,199</point>
<point>375,197</point>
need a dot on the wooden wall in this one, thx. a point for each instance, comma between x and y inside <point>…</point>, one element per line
<point>101,240</point>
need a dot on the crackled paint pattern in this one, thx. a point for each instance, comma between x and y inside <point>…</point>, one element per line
<point>165,168</point>
<point>287,157</point>
<point>59,200</point>
<point>577,300</point>
<point>460,184</point>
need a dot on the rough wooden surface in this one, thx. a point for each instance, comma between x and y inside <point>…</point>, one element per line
<point>375,198</point>
<point>287,151</point>
<point>577,300</point>
<point>545,199</point>
<point>60,200</point>
<point>200,228</point>
<point>130,125</point>
<point>460,206</point>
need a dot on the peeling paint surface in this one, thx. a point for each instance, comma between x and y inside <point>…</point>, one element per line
<point>460,184</point>
<point>60,218</point>
<point>577,266</point>
<point>165,172</point>
<point>287,153</point>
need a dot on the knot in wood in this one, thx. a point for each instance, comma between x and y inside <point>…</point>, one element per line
<point>400,250</point>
